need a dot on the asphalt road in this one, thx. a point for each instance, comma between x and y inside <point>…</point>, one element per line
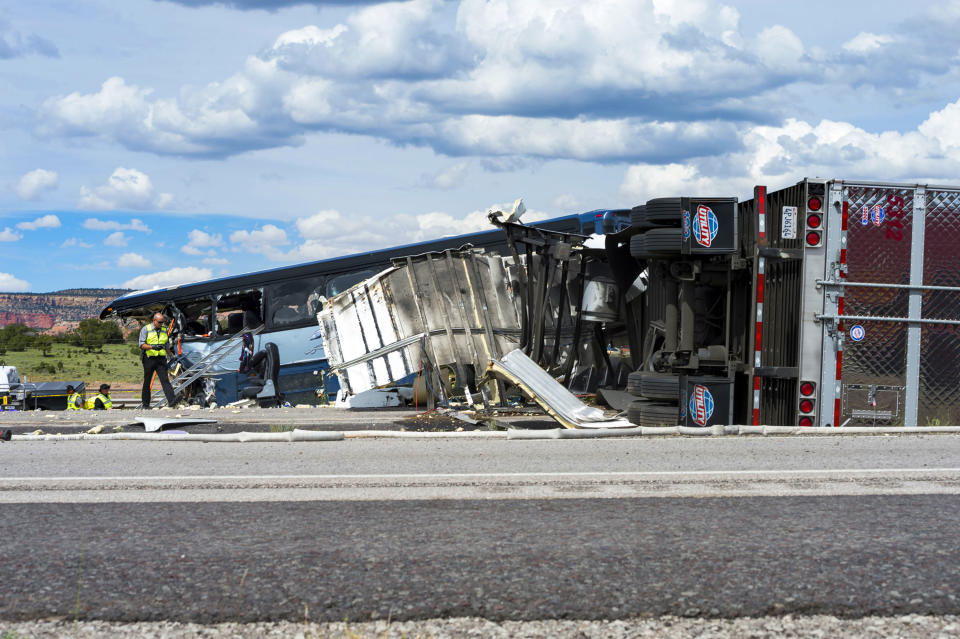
<point>564,529</point>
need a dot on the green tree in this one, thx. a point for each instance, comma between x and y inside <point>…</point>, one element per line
<point>17,337</point>
<point>44,343</point>
<point>94,334</point>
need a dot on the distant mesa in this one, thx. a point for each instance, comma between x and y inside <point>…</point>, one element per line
<point>58,311</point>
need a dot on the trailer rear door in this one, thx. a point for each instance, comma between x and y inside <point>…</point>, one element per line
<point>898,300</point>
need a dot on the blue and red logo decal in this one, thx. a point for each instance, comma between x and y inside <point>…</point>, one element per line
<point>705,226</point>
<point>857,332</point>
<point>701,405</point>
<point>874,214</point>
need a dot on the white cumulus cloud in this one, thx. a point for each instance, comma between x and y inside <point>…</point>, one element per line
<point>865,42</point>
<point>201,243</point>
<point>132,260</point>
<point>643,182</point>
<point>36,182</point>
<point>661,83</point>
<point>449,178</point>
<point>125,189</point>
<point>9,235</point>
<point>11,284</point>
<point>170,277</point>
<point>264,241</point>
<point>117,238</point>
<point>777,156</point>
<point>611,81</point>
<point>44,222</point>
<point>110,225</point>
<point>318,225</point>
<point>72,241</point>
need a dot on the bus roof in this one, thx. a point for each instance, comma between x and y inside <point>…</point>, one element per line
<point>333,265</point>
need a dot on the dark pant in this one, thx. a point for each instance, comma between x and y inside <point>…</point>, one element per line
<point>157,363</point>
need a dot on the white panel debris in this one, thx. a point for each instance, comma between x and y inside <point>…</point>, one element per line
<point>453,308</point>
<point>556,400</point>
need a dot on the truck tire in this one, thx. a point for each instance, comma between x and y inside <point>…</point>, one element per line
<point>655,386</point>
<point>644,413</point>
<point>640,219</point>
<point>664,210</point>
<point>656,242</point>
<point>633,382</point>
<point>660,386</point>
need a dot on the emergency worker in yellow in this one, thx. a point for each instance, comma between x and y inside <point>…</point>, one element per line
<point>102,400</point>
<point>74,400</point>
<point>153,348</point>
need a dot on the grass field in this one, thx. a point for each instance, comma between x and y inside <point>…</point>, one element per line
<point>115,365</point>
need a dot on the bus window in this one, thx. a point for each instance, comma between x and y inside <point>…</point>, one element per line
<point>235,311</point>
<point>294,302</point>
<point>196,316</point>
<point>338,284</point>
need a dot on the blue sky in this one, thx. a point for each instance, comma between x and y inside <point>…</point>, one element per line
<point>153,142</point>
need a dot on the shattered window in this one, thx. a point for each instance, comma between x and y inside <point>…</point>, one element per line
<point>198,326</point>
<point>340,283</point>
<point>293,303</point>
<point>195,315</point>
<point>238,310</point>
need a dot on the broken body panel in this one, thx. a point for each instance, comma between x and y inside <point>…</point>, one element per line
<point>449,309</point>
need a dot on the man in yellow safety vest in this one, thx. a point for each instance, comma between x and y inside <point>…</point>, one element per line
<point>153,340</point>
<point>102,400</point>
<point>74,400</point>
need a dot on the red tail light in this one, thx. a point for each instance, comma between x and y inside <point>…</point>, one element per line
<point>806,405</point>
<point>814,203</point>
<point>814,221</point>
<point>806,421</point>
<point>807,388</point>
<point>813,238</point>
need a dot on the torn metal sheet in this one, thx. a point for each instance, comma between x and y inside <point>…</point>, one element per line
<point>557,401</point>
<point>615,399</point>
<point>153,424</point>
<point>453,308</point>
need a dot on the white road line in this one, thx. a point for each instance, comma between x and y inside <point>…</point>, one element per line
<point>428,476</point>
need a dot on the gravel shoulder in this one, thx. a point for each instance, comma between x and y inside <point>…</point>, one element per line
<point>904,627</point>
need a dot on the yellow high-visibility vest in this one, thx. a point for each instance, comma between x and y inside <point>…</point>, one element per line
<point>104,399</point>
<point>74,402</point>
<point>156,338</point>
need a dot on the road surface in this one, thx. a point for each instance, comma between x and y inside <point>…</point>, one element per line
<point>503,530</point>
